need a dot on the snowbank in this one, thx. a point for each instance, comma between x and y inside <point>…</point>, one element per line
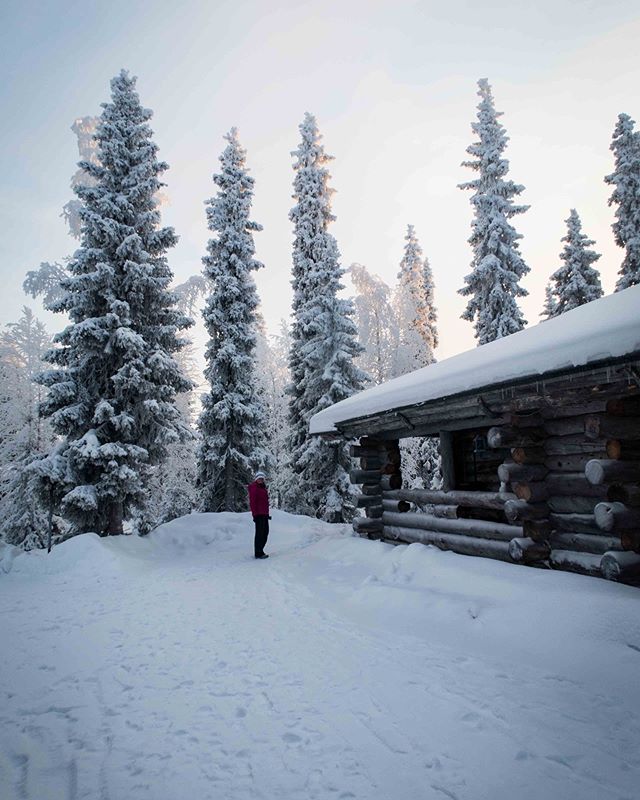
<point>606,328</point>
<point>178,665</point>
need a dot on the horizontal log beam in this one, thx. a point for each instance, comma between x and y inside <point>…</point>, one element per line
<point>624,406</point>
<point>584,563</point>
<point>563,504</point>
<point>572,463</point>
<point>572,445</point>
<point>607,470</point>
<point>374,512</point>
<point>364,501</point>
<point>465,545</point>
<point>358,451</point>
<point>584,542</point>
<point>571,484</point>
<point>365,525</point>
<point>364,476</point>
<point>512,472</point>
<point>612,427</point>
<point>526,551</point>
<point>371,489</point>
<point>446,512</point>
<point>399,506</point>
<point>391,482</point>
<point>371,463</point>
<point>577,523</point>
<point>520,510</point>
<point>507,436</point>
<point>616,517</point>
<point>457,497</point>
<point>537,529</point>
<point>616,566</point>
<point>528,455</point>
<point>627,493</point>
<point>626,451</point>
<point>630,540</point>
<point>465,527</point>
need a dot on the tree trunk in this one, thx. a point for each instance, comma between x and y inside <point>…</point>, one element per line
<point>116,514</point>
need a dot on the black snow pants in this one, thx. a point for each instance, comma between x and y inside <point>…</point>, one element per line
<point>262,533</point>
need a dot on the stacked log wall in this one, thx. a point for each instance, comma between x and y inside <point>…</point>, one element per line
<point>568,497</point>
<point>576,487</point>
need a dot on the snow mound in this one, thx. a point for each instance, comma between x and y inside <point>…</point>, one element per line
<point>86,553</point>
<point>195,535</point>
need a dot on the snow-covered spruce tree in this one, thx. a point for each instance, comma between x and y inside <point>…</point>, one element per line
<point>171,489</point>
<point>232,421</point>
<point>272,371</point>
<point>414,309</point>
<point>416,320</point>
<point>576,282</point>
<point>112,396</point>
<point>24,437</point>
<point>324,342</point>
<point>497,264</point>
<point>626,196</point>
<point>376,323</point>
<point>549,308</point>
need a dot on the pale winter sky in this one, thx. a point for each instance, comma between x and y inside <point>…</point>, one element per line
<point>393,86</point>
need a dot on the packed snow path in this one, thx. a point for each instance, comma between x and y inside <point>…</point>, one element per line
<point>178,666</point>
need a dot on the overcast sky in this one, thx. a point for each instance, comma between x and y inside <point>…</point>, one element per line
<point>393,86</point>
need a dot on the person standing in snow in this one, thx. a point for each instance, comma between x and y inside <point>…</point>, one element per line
<point>259,504</point>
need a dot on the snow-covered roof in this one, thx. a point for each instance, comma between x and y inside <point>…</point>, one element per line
<point>604,329</point>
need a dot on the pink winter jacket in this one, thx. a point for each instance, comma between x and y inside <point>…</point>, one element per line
<point>258,499</point>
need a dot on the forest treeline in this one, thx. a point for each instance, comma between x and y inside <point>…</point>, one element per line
<point>98,424</point>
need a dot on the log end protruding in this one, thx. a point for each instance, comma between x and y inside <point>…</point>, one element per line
<point>526,551</point>
<point>615,566</point>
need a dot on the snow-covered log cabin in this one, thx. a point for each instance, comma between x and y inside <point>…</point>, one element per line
<point>539,440</point>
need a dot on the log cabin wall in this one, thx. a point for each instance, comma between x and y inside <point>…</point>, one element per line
<point>567,491</point>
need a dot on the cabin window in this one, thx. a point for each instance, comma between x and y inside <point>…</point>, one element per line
<point>475,463</point>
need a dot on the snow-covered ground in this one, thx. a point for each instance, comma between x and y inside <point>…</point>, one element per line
<point>178,666</point>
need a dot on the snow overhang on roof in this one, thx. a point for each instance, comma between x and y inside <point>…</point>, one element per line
<point>605,329</point>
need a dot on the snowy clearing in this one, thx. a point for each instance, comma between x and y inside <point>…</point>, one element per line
<point>179,666</point>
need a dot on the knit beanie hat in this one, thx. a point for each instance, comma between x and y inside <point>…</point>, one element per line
<point>260,474</point>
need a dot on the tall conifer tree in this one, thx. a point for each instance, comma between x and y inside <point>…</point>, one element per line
<point>415,310</point>
<point>626,196</point>
<point>576,282</point>
<point>497,265</point>
<point>112,396</point>
<point>232,420</point>
<point>323,340</point>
